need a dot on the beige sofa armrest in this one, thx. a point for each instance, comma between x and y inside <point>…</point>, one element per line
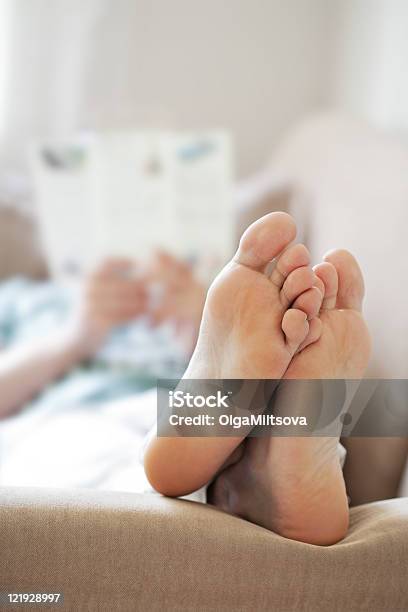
<point>265,192</point>
<point>20,250</point>
<point>122,551</point>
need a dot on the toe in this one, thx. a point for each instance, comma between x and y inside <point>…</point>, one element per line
<point>295,326</point>
<point>350,279</point>
<point>319,284</point>
<point>265,239</point>
<point>298,281</point>
<point>315,331</point>
<point>327,275</point>
<point>295,256</point>
<point>309,302</point>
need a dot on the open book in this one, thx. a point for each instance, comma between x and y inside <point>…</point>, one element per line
<point>129,193</point>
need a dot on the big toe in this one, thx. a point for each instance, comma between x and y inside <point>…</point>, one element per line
<point>351,283</point>
<point>265,239</point>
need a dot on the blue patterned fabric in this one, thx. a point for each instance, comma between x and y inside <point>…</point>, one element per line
<point>130,362</point>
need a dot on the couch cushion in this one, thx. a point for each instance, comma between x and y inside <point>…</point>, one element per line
<point>121,551</point>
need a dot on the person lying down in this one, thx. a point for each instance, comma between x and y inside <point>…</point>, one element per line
<point>298,322</point>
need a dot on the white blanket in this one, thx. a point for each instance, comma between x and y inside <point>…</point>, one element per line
<point>96,446</point>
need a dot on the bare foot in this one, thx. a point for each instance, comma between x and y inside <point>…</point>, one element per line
<point>250,330</point>
<point>295,486</point>
<point>251,327</point>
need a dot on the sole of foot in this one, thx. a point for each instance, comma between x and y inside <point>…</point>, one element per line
<point>259,311</point>
<point>295,486</point>
<point>255,321</point>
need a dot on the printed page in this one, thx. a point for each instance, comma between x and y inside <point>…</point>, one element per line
<point>134,193</point>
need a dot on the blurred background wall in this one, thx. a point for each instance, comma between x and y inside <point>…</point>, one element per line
<point>255,67</point>
<point>370,62</point>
